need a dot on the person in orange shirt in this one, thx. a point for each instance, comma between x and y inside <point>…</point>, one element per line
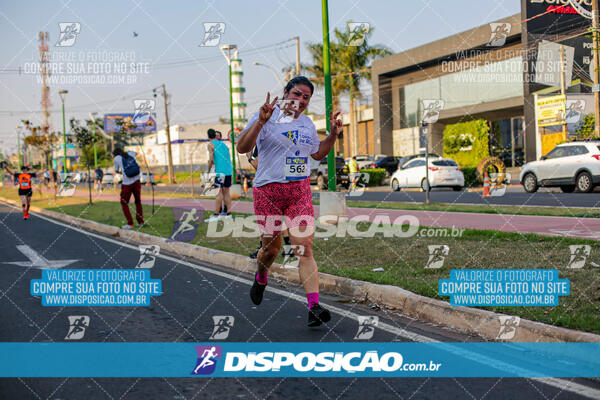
<point>24,180</point>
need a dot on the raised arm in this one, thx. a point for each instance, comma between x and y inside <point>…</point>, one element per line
<point>247,139</point>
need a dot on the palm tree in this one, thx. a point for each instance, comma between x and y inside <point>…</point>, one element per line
<point>350,66</point>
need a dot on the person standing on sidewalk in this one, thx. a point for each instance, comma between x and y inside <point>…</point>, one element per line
<point>218,155</point>
<point>282,185</point>
<point>353,172</point>
<point>125,164</point>
<point>98,175</point>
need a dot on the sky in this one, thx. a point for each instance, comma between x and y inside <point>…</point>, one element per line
<point>166,48</point>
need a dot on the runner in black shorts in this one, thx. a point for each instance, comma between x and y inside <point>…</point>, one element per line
<point>25,189</point>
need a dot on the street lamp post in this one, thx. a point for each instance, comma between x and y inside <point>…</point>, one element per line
<point>229,48</point>
<point>273,71</point>
<point>63,95</point>
<point>19,145</point>
<point>93,115</point>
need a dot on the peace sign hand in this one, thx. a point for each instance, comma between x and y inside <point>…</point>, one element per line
<point>267,109</point>
<point>336,124</point>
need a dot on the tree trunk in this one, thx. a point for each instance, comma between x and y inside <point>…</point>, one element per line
<point>89,182</point>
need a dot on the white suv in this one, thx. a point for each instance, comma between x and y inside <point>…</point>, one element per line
<point>574,165</point>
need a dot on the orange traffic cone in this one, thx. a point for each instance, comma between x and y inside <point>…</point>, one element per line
<point>486,185</point>
<point>245,185</point>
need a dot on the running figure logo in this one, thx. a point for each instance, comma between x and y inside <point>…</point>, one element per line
<point>499,33</point>
<point>366,327</point>
<point>290,261</point>
<point>437,255</point>
<point>148,255</point>
<point>77,326</point>
<point>357,32</point>
<point>357,186</point>
<point>186,224</point>
<point>431,110</point>
<point>508,327</point>
<point>290,106</point>
<point>207,359</point>
<point>223,324</point>
<point>498,188</point>
<point>579,253</point>
<point>212,33</point>
<point>143,111</point>
<point>68,33</point>
<point>66,190</point>
<point>575,109</point>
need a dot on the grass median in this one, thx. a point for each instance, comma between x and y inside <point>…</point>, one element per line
<point>403,259</point>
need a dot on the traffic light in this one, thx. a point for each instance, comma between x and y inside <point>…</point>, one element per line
<point>154,92</point>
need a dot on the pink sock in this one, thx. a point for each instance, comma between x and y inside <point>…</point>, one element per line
<point>261,278</point>
<point>313,298</point>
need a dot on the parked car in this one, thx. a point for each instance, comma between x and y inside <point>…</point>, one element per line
<point>318,173</point>
<point>145,178</point>
<point>364,160</point>
<point>108,178</point>
<point>443,172</point>
<point>506,157</point>
<point>389,163</point>
<point>570,166</point>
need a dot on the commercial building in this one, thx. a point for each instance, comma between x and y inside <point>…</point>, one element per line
<point>492,72</point>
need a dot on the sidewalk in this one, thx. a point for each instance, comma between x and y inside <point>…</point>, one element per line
<point>585,228</point>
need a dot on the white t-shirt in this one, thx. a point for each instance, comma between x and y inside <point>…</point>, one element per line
<point>284,147</point>
<point>119,168</point>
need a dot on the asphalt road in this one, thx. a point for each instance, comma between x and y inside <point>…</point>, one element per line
<point>192,294</point>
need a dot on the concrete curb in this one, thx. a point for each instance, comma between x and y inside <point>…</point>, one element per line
<point>464,319</point>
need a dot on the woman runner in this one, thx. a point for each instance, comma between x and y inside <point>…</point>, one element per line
<point>285,138</point>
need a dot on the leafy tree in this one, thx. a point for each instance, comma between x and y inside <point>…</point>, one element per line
<point>586,127</point>
<point>84,137</point>
<point>41,139</point>
<point>350,67</point>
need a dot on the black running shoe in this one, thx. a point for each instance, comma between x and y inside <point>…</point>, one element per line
<point>256,292</point>
<point>317,315</point>
<point>254,255</point>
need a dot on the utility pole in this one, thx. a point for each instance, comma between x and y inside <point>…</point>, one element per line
<point>563,86</point>
<point>168,130</point>
<point>93,115</point>
<point>596,45</point>
<point>19,146</point>
<point>297,39</point>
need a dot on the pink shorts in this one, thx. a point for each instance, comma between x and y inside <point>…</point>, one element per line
<point>275,203</point>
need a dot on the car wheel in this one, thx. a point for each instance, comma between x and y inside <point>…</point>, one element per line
<point>321,184</point>
<point>530,183</point>
<point>424,185</point>
<point>584,182</point>
<point>457,188</point>
<point>568,188</point>
<point>395,185</point>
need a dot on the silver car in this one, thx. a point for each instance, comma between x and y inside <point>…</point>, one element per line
<point>570,166</point>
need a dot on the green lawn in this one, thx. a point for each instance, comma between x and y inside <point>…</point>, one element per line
<point>403,260</point>
<point>487,209</point>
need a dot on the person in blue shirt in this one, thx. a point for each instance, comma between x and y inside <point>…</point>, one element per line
<point>218,155</point>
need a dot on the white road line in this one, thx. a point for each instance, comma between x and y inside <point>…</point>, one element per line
<point>561,384</point>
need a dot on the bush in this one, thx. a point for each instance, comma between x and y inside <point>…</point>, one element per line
<point>470,174</point>
<point>461,136</point>
<point>376,175</point>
